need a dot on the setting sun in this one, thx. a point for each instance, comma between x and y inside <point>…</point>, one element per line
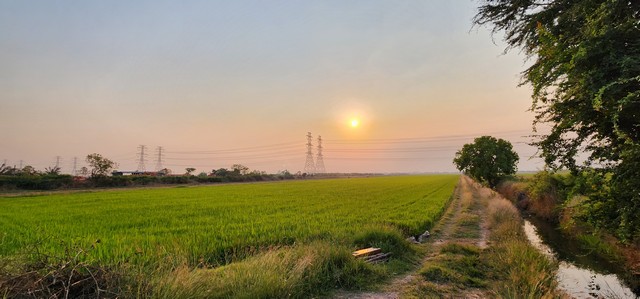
<point>354,123</point>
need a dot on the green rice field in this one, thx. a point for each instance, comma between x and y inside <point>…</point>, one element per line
<point>219,224</point>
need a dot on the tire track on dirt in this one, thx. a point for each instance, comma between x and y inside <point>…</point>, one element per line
<point>462,223</point>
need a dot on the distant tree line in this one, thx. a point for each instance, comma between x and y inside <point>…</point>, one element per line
<point>100,174</point>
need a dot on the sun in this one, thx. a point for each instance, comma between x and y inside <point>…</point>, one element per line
<point>355,123</point>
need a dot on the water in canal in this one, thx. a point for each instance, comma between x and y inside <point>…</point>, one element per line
<point>581,274</point>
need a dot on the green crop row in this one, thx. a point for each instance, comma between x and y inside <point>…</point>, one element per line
<point>218,224</point>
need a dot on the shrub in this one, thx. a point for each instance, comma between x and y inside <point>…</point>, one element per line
<point>546,192</point>
<point>388,239</point>
<point>36,182</point>
<point>294,272</point>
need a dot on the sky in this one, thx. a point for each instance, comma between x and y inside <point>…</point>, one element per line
<point>216,83</point>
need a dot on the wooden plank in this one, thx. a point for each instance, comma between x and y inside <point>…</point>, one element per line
<point>378,258</point>
<point>366,252</point>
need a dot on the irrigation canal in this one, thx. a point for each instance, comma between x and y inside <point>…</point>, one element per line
<point>581,273</point>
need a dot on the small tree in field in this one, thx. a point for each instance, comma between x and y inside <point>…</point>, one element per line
<point>54,170</point>
<point>84,171</point>
<point>100,165</point>
<point>240,169</point>
<point>487,159</point>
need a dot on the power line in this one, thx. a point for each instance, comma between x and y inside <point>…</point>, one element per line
<point>270,147</point>
<point>286,153</point>
<point>517,133</point>
<point>260,162</point>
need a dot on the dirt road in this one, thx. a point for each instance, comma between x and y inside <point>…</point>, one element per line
<point>462,226</point>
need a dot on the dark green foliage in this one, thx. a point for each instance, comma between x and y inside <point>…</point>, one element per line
<point>586,85</point>
<point>625,187</point>
<point>209,179</point>
<point>174,179</point>
<point>612,200</point>
<point>109,181</point>
<point>12,178</point>
<point>35,182</point>
<point>487,159</point>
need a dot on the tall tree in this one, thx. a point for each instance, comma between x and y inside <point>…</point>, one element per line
<point>487,159</point>
<point>100,166</point>
<point>586,83</point>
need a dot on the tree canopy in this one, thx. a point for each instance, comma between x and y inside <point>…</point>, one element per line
<point>100,166</point>
<point>585,77</point>
<point>487,159</point>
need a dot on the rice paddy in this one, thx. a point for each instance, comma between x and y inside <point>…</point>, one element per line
<point>217,225</point>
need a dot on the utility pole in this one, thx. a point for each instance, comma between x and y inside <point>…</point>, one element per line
<point>142,159</point>
<point>159,160</point>
<point>319,159</point>
<point>75,166</point>
<point>309,166</point>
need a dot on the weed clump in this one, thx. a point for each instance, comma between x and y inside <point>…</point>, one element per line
<point>69,275</point>
<point>518,269</point>
<point>286,272</point>
<point>387,238</point>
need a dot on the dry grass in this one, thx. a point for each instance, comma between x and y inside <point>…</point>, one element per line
<point>515,192</point>
<point>520,270</point>
<point>281,273</point>
<point>503,220</point>
<point>69,275</point>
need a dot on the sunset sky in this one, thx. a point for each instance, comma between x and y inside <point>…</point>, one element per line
<point>222,82</point>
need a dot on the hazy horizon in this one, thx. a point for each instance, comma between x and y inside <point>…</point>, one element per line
<point>220,83</point>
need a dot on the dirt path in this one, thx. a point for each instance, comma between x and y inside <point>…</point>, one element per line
<point>462,224</point>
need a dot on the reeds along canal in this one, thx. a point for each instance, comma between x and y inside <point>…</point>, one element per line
<point>581,273</point>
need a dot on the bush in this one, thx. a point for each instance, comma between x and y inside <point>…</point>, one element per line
<point>388,239</point>
<point>175,180</point>
<point>109,181</point>
<point>69,275</point>
<point>36,182</point>
<point>292,272</point>
<point>547,192</point>
<point>143,179</point>
<point>209,179</point>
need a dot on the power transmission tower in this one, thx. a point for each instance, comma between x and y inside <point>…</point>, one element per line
<point>319,159</point>
<point>159,160</point>
<point>75,166</point>
<point>57,161</point>
<point>309,166</point>
<point>142,158</point>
